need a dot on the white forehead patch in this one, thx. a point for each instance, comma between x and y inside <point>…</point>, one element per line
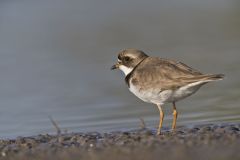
<point>125,69</point>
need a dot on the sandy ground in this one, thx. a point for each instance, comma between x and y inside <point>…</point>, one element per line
<point>220,142</point>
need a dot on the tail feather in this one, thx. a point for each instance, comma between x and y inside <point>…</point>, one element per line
<point>207,78</point>
<point>215,77</point>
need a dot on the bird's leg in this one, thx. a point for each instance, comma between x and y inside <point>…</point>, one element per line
<point>175,114</point>
<point>160,120</point>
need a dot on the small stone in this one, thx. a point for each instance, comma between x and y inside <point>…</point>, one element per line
<point>3,154</point>
<point>235,128</point>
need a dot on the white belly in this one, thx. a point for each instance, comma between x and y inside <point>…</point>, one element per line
<point>157,96</point>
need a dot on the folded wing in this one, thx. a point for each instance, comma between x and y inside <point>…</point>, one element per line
<point>168,74</point>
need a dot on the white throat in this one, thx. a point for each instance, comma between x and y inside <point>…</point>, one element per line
<point>125,69</point>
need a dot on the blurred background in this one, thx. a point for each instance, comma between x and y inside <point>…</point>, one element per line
<point>55,59</point>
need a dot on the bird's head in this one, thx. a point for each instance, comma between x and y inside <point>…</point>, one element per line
<point>128,59</point>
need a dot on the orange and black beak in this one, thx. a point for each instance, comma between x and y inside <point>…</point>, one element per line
<point>115,66</point>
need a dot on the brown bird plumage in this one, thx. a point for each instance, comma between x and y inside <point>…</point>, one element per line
<point>158,81</point>
<point>167,74</point>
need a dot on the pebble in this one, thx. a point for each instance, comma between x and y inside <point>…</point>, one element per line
<point>214,136</point>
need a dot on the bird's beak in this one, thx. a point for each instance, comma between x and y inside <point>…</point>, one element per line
<point>115,66</point>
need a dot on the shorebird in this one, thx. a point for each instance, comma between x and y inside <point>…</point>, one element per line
<point>159,81</point>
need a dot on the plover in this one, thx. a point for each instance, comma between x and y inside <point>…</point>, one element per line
<point>159,81</point>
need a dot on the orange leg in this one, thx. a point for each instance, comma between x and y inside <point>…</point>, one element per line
<point>175,114</point>
<point>160,120</point>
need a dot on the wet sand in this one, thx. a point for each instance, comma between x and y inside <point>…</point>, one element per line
<point>210,141</point>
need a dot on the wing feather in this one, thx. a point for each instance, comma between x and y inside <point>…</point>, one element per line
<point>165,74</point>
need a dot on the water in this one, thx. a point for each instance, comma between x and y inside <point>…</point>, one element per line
<point>55,59</point>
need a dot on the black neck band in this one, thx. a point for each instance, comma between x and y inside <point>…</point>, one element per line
<point>129,75</point>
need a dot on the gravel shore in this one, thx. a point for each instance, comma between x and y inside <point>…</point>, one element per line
<point>218,142</point>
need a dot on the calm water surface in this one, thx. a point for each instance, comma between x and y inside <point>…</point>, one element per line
<point>55,59</point>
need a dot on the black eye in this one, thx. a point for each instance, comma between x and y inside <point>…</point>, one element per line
<point>119,57</point>
<point>126,59</point>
